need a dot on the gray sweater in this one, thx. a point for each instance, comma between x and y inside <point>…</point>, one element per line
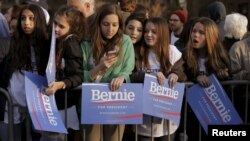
<point>240,59</point>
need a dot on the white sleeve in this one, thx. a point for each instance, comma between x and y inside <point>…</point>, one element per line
<point>174,54</point>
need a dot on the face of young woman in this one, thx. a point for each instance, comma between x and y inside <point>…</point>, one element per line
<point>61,26</point>
<point>150,35</point>
<point>109,26</point>
<point>28,21</point>
<point>134,30</point>
<point>198,36</point>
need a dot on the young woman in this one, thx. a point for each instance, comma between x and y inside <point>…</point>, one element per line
<point>70,27</point>
<point>108,57</point>
<point>204,55</point>
<point>29,51</point>
<point>134,28</point>
<point>163,60</point>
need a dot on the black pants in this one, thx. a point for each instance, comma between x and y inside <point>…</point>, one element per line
<point>163,138</point>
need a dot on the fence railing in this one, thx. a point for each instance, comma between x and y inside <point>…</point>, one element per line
<point>231,85</point>
<point>10,113</point>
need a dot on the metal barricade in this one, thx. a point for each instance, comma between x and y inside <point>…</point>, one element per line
<point>231,83</point>
<point>234,83</point>
<point>11,118</point>
<point>66,114</point>
<point>10,113</point>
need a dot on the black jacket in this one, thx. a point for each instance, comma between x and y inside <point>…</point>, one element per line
<point>4,50</point>
<point>72,74</point>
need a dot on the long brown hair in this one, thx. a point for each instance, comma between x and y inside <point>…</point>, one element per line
<point>100,44</point>
<point>77,24</point>
<point>21,42</point>
<point>162,46</point>
<point>217,57</point>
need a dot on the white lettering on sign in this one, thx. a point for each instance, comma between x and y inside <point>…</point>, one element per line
<point>219,105</point>
<point>98,96</point>
<point>163,91</point>
<point>48,110</point>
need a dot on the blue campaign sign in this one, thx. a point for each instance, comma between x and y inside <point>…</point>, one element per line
<point>51,66</point>
<point>211,105</point>
<point>102,106</point>
<point>162,101</point>
<point>42,108</point>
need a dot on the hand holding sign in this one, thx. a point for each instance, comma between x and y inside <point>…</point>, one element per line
<point>42,108</point>
<point>211,105</point>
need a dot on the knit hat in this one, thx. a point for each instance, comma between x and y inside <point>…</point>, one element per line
<point>182,14</point>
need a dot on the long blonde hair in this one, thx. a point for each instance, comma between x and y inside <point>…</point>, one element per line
<point>217,57</point>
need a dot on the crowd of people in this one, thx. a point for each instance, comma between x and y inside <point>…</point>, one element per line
<point>116,43</point>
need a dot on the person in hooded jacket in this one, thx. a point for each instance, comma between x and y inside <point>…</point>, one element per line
<point>217,12</point>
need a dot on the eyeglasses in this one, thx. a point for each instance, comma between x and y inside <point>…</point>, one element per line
<point>173,20</point>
